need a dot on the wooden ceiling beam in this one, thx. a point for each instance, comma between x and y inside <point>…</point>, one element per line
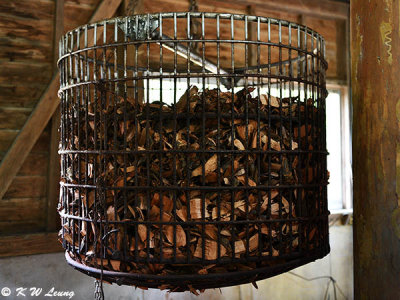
<point>321,8</point>
<point>53,174</point>
<point>42,113</point>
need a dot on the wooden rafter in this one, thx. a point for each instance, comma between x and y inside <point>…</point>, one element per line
<point>54,158</point>
<point>321,9</point>
<point>42,113</point>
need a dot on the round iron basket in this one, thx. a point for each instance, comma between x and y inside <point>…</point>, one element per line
<point>193,149</point>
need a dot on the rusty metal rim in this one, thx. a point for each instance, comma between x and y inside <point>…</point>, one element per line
<point>220,279</point>
<point>191,223</point>
<point>207,15</point>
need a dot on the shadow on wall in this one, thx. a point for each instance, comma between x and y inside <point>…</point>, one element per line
<point>51,273</point>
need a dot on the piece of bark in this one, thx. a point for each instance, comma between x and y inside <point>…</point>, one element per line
<point>179,235</point>
<point>209,166</point>
<point>197,205</point>
<point>239,248</point>
<point>210,249</point>
<point>253,243</point>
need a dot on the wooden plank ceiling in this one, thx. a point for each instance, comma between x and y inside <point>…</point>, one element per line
<point>26,68</point>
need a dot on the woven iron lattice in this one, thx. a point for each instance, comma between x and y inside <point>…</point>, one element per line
<point>192,161</point>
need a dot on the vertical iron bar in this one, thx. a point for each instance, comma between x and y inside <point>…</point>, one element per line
<point>125,97</point>
<point>148,136</point>
<point>71,112</point>
<point>281,141</point>
<point>86,103</point>
<point>188,139</point>
<point>300,200</point>
<point>104,104</point>
<point>259,198</point>
<point>218,139</point>
<point>161,143</point>
<point>290,157</point>
<point>136,112</point>
<point>269,140</point>
<point>78,134</point>
<point>307,160</point>
<point>116,125</point>
<point>203,137</point>
<point>232,154</point>
<point>246,174</point>
<point>174,131</point>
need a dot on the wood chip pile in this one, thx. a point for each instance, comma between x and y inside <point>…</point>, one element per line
<point>163,161</point>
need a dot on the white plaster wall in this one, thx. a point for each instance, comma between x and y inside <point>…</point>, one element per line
<point>51,270</point>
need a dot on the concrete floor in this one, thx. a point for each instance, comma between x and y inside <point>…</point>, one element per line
<point>50,270</point>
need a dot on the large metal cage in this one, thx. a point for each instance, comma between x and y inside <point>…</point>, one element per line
<point>193,149</point>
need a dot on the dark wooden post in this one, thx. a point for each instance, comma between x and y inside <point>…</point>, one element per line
<point>375,52</point>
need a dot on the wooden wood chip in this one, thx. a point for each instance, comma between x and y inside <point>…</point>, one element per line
<point>142,231</point>
<point>116,264</point>
<point>209,166</point>
<point>275,145</point>
<point>238,144</point>
<point>210,249</point>
<point>196,208</point>
<point>312,233</point>
<point>264,99</point>
<point>275,209</point>
<point>250,182</point>
<point>253,243</point>
<point>274,102</point>
<point>180,235</point>
<point>211,231</point>
<point>182,213</point>
<point>264,205</point>
<point>128,169</point>
<point>265,230</point>
<point>181,105</point>
<point>111,213</point>
<point>225,232</point>
<point>239,247</point>
<point>89,203</point>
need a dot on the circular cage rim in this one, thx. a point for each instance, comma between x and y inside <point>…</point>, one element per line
<point>192,75</point>
<point>207,15</point>
<point>319,52</point>
<point>198,281</point>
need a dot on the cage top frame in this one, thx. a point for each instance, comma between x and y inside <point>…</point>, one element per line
<point>307,31</point>
<point>70,46</point>
<point>206,15</point>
